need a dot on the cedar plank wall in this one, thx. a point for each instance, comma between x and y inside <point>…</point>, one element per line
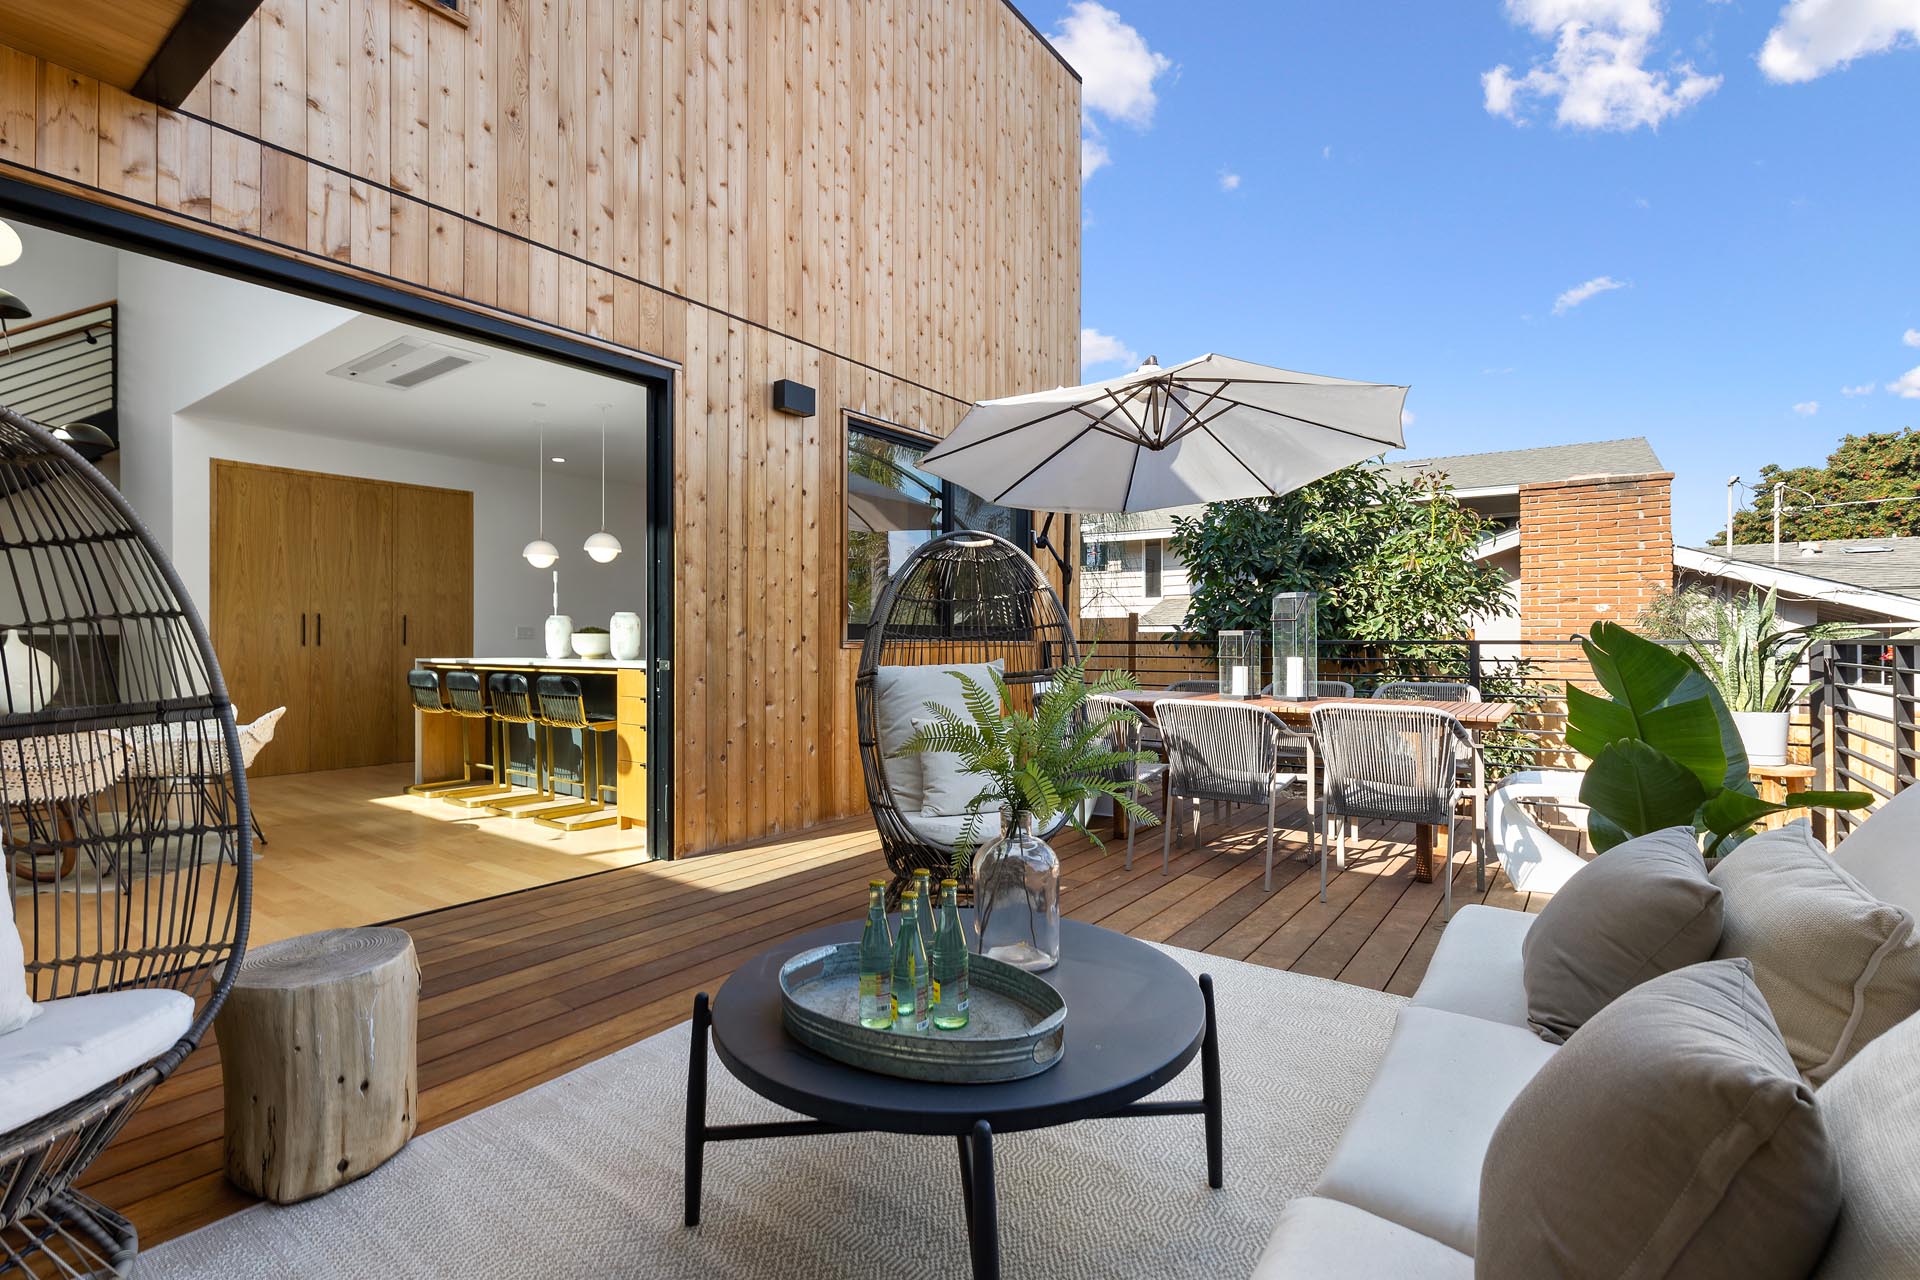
<point>890,190</point>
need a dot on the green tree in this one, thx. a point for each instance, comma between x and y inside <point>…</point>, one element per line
<point>1391,558</point>
<point>1877,464</point>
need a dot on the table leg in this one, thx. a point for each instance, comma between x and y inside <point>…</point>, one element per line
<point>966,1183</point>
<point>1481,841</point>
<point>1423,853</point>
<point>696,1148</point>
<point>985,1213</point>
<point>1210,1090</point>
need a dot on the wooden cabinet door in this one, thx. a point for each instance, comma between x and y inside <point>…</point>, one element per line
<point>258,580</point>
<point>350,564</point>
<point>432,586</point>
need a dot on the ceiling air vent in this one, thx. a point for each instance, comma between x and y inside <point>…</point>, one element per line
<point>405,363</point>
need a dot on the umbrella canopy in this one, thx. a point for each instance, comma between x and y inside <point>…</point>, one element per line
<point>873,507</point>
<point>1208,430</point>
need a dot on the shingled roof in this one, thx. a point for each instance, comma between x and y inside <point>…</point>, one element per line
<point>1876,564</point>
<point>1511,468</point>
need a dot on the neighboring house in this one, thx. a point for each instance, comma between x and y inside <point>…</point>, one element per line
<point>1583,531</point>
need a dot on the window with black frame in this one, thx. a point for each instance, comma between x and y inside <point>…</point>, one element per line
<point>893,506</point>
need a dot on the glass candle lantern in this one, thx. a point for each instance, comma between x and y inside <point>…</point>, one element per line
<point>1296,645</point>
<point>1239,664</point>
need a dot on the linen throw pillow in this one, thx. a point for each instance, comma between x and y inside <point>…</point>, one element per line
<point>900,695</point>
<point>16,1010</point>
<point>1837,965</point>
<point>1672,1138</point>
<point>1871,1108</point>
<point>1637,911</point>
<point>948,788</point>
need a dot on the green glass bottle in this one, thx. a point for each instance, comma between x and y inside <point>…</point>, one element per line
<point>923,885</point>
<point>911,997</point>
<point>876,962</point>
<point>949,961</point>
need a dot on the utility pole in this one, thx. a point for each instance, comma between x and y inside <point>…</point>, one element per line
<point>1733,482</point>
<point>1778,489</point>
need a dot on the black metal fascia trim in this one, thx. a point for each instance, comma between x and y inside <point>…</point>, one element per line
<point>204,31</point>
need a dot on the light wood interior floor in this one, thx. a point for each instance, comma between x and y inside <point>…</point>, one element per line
<point>520,989</point>
<point>350,846</point>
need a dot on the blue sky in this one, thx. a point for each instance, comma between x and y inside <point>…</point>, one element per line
<point>1354,189</point>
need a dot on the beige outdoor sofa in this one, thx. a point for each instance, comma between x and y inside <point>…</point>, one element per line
<point>1401,1195</point>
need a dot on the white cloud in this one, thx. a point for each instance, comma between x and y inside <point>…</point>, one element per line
<point>1581,292</point>
<point>1326,153</point>
<point>1597,72</point>
<point>1229,181</point>
<point>1117,74</point>
<point>1807,408</point>
<point>1911,337</point>
<point>1907,385</point>
<point>1406,418</point>
<point>1864,389</point>
<point>1097,348</point>
<point>1814,37</point>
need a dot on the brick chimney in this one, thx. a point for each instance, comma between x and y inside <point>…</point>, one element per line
<point>1591,549</point>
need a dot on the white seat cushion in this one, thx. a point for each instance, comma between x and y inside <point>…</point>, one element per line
<point>78,1044</point>
<point>1872,1112</point>
<point>15,1008</point>
<point>900,696</point>
<point>1884,854</point>
<point>1413,1150</point>
<point>1327,1240</point>
<point>1476,969</point>
<point>942,831</point>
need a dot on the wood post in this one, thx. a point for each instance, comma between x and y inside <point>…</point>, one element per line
<point>317,1050</point>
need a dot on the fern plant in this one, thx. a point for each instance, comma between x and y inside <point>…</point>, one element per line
<point>1039,764</point>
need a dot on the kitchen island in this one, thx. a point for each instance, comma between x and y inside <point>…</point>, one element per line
<point>612,686</point>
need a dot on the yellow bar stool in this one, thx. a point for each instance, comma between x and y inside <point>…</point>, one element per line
<point>563,705</point>
<point>429,698</point>
<point>467,698</point>
<point>513,704</point>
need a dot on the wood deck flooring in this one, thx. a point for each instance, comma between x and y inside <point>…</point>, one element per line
<point>521,988</point>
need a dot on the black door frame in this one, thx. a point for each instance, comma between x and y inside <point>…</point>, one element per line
<point>123,228</point>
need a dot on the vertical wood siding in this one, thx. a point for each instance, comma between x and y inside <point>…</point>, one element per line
<point>881,200</point>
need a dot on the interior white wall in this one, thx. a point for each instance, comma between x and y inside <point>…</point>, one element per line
<point>57,274</point>
<point>508,593</point>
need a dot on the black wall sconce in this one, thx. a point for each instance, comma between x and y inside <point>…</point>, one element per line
<point>793,397</point>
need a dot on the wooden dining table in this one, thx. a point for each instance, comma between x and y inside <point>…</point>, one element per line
<point>1477,718</point>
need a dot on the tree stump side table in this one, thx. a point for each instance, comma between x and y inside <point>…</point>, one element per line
<point>318,1053</point>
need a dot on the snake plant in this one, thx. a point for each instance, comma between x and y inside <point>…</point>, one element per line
<point>1042,763</point>
<point>1742,646</point>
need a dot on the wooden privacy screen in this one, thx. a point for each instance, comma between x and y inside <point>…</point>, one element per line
<point>879,200</point>
<point>324,588</point>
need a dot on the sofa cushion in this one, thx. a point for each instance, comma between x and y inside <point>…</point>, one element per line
<point>900,696</point>
<point>1883,853</point>
<point>1672,1137</point>
<point>1412,1152</point>
<point>1837,965</point>
<point>1326,1240</point>
<point>1872,1112</point>
<point>1641,909</point>
<point>942,831</point>
<point>16,1009</point>
<point>82,1042</point>
<point>1476,968</point>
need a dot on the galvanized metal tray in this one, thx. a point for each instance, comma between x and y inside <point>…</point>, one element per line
<point>1017,1027</point>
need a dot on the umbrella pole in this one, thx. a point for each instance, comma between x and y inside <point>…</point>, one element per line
<point>1041,540</point>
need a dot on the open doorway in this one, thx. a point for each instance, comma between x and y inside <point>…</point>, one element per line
<point>349,497</point>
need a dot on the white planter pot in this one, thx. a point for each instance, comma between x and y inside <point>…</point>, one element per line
<point>590,644</point>
<point>625,628</point>
<point>560,636</point>
<point>1764,734</point>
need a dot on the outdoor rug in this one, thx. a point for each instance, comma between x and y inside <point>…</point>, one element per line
<point>582,1175</point>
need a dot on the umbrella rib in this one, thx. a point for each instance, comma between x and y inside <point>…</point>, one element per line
<point>1309,422</point>
<point>1043,462</point>
<point>1271,491</point>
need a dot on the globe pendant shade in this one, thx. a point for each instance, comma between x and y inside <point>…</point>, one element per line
<point>603,546</point>
<point>540,553</point>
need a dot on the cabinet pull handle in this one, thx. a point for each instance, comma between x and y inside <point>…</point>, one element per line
<point>316,629</point>
<point>403,628</point>
<point>303,631</point>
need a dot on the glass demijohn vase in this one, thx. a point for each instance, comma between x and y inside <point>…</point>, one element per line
<point>1016,897</point>
<point>876,962</point>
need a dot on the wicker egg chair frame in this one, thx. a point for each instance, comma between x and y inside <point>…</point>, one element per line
<point>110,891</point>
<point>966,597</point>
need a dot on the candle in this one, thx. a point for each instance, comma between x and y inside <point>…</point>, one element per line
<point>1296,677</point>
<point>1239,682</point>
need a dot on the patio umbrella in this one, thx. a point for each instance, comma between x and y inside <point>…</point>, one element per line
<point>1208,430</point>
<point>873,507</point>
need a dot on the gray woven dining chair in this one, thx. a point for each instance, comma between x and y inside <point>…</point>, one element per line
<point>1428,691</point>
<point>1129,735</point>
<point>1236,754</point>
<point>1395,764</point>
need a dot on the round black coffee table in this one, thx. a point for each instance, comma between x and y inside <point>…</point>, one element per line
<point>1135,1019</point>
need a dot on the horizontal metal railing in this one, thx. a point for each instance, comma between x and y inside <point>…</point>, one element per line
<point>1865,725</point>
<point>61,369</point>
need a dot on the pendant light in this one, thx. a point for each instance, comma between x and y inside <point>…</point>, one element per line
<point>540,553</point>
<point>10,246</point>
<point>11,308</point>
<point>603,546</point>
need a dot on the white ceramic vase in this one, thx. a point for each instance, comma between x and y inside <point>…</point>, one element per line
<point>560,636</point>
<point>32,678</point>
<point>625,630</point>
<point>1764,735</point>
